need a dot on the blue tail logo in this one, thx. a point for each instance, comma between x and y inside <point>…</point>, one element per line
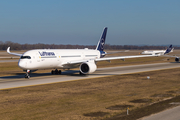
<point>169,49</point>
<point>100,45</point>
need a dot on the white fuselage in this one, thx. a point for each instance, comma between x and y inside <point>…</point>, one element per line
<point>55,58</point>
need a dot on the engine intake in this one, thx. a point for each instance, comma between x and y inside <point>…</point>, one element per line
<point>88,67</point>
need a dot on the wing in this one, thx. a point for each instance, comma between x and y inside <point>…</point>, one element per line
<point>104,59</point>
<point>123,57</point>
<point>175,56</point>
<point>8,51</point>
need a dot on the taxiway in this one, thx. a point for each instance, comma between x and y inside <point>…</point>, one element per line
<point>170,114</point>
<point>46,78</point>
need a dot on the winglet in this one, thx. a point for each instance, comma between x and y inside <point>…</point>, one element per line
<point>169,49</point>
<point>100,45</point>
<point>8,51</point>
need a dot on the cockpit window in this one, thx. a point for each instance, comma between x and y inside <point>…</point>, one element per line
<point>25,57</point>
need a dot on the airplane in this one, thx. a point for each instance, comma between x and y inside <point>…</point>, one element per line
<point>85,59</point>
<point>158,52</point>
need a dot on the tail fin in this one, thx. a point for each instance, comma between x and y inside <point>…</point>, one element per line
<point>169,49</point>
<point>100,45</point>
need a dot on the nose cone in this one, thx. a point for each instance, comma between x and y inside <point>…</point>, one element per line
<point>22,64</point>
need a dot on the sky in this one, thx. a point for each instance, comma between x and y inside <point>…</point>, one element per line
<point>129,22</point>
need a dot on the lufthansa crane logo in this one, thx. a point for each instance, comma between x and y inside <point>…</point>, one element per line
<point>102,43</point>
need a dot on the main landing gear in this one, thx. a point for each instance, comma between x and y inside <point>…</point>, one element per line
<point>56,72</point>
<point>27,74</point>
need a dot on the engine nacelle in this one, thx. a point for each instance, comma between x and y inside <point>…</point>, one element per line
<point>177,59</point>
<point>88,67</point>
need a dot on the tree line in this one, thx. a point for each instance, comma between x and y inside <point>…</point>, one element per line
<point>17,46</point>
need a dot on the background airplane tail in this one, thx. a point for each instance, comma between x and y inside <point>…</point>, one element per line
<point>169,49</point>
<point>100,45</point>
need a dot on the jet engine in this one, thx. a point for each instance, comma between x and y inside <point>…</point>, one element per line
<point>177,59</point>
<point>88,67</point>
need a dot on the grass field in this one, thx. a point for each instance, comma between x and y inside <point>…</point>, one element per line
<point>89,99</point>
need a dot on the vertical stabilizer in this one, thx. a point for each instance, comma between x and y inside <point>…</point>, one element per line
<point>100,45</point>
<point>169,49</point>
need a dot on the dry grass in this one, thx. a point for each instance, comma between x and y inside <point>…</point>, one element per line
<point>89,99</point>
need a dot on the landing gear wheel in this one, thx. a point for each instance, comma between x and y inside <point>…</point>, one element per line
<point>52,72</point>
<point>56,72</point>
<point>27,76</point>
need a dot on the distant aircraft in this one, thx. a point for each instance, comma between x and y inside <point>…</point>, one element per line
<point>85,59</point>
<point>158,52</point>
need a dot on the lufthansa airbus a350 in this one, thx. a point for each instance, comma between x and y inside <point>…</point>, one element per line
<point>158,52</point>
<point>85,59</point>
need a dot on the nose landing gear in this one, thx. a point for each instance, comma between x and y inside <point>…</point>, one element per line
<point>27,74</point>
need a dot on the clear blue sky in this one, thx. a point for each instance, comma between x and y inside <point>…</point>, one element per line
<point>129,22</point>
